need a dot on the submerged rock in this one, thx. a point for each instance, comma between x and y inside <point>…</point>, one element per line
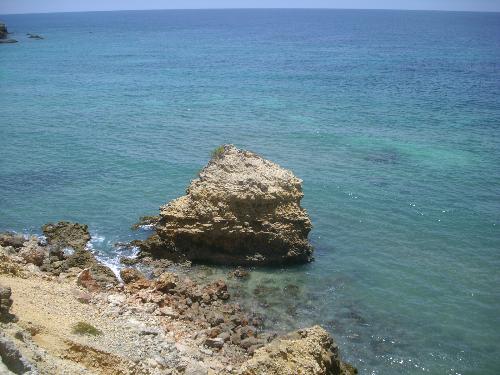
<point>34,36</point>
<point>310,351</point>
<point>241,210</point>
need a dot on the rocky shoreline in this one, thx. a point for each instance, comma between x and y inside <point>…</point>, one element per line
<point>167,324</point>
<point>64,312</point>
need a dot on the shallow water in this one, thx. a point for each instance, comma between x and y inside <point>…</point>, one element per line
<point>391,118</point>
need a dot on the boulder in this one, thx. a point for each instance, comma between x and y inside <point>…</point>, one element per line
<point>310,351</point>
<point>87,281</point>
<point>5,304</point>
<point>13,358</point>
<point>33,253</point>
<point>241,210</point>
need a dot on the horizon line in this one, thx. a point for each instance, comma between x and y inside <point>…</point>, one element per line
<point>260,8</point>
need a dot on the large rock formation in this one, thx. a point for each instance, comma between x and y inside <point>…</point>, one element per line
<point>309,351</point>
<point>242,209</point>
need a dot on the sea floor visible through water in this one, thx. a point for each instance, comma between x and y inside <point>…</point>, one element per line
<point>391,118</point>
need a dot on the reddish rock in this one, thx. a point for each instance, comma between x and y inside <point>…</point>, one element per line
<point>86,280</point>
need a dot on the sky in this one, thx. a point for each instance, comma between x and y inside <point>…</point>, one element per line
<point>43,6</point>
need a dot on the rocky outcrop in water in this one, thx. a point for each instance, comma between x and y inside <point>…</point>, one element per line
<point>242,210</point>
<point>65,249</point>
<point>4,35</point>
<point>66,234</point>
<point>67,242</point>
<point>310,351</point>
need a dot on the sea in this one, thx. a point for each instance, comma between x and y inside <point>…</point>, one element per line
<point>391,118</point>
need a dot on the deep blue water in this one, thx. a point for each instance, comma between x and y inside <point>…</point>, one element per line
<point>391,118</point>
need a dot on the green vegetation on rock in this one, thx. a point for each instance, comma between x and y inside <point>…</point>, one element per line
<point>217,151</point>
<point>83,328</point>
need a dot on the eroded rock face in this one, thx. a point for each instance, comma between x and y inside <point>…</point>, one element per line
<point>310,351</point>
<point>242,209</point>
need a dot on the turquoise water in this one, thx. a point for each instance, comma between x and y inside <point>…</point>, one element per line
<point>391,118</point>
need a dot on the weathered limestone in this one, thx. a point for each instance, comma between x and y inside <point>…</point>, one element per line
<point>242,210</point>
<point>310,351</point>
